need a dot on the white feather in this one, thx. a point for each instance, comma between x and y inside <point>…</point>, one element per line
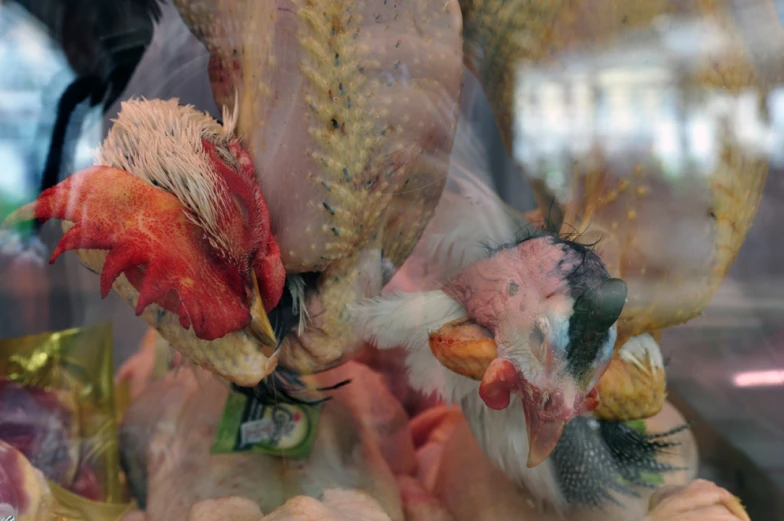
<point>504,440</point>
<point>296,286</point>
<point>406,320</point>
<point>160,141</point>
<point>469,217</point>
<point>642,350</point>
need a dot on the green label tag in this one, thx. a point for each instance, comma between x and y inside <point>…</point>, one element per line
<point>280,429</point>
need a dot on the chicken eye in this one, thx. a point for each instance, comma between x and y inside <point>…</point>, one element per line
<point>539,340</point>
<point>536,343</point>
<point>536,337</point>
<point>242,208</point>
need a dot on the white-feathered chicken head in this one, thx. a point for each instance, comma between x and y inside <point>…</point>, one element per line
<point>541,314</point>
<point>173,218</point>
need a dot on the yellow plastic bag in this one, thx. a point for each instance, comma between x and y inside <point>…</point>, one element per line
<point>72,507</point>
<point>57,406</point>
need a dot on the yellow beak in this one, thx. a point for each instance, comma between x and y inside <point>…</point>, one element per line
<point>260,326</point>
<point>464,347</point>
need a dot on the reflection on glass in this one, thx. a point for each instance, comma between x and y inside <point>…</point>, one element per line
<point>28,98</point>
<point>633,96</point>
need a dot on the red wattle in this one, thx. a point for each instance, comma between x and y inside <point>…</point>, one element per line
<point>497,384</point>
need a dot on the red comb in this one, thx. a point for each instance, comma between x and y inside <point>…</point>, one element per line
<point>149,239</point>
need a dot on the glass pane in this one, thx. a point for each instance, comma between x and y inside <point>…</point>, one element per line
<point>391,260</point>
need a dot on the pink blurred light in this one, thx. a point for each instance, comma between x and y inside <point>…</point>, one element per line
<point>759,378</point>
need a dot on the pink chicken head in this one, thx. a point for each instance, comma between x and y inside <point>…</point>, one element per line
<point>549,305</point>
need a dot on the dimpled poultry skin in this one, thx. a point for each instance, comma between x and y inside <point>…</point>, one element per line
<point>348,110</point>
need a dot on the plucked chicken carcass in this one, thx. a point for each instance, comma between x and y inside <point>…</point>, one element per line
<point>671,238</point>
<point>385,427</point>
<point>365,122</point>
<point>329,161</point>
<point>336,505</point>
<point>362,443</point>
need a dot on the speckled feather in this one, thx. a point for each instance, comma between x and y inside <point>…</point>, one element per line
<point>595,459</point>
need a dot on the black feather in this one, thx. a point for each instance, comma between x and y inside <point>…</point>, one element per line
<point>596,309</point>
<point>599,299</point>
<point>529,231</point>
<point>104,41</point>
<point>76,93</point>
<point>595,459</point>
<point>283,385</point>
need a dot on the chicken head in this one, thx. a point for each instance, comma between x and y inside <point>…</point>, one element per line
<point>173,219</point>
<point>543,312</point>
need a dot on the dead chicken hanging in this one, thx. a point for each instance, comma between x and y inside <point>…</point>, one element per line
<point>172,217</point>
<point>467,336</point>
<point>516,325</point>
<point>323,174</point>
